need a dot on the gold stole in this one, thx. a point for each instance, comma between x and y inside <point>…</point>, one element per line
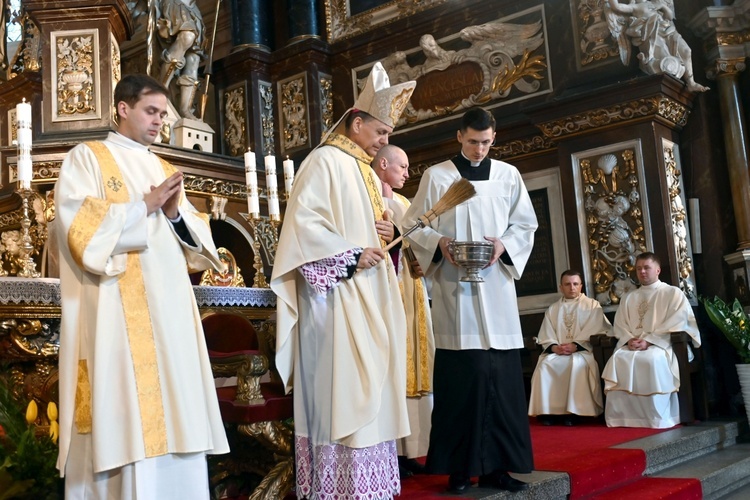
<point>368,177</point>
<point>135,309</point>
<point>421,333</point>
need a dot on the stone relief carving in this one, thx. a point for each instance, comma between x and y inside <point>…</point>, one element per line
<point>678,215</point>
<point>649,25</point>
<point>498,57</point>
<point>614,221</point>
<point>594,40</point>
<point>235,120</point>
<point>75,66</point>
<point>266,117</point>
<point>294,124</point>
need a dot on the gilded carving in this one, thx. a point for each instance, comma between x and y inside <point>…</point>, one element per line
<point>326,101</point>
<point>278,438</point>
<point>74,54</point>
<point>294,126</point>
<point>29,53</point>
<point>594,41</point>
<point>614,221</point>
<point>235,120</point>
<point>266,117</point>
<point>341,24</point>
<point>11,238</point>
<point>733,38</point>
<point>210,186</point>
<point>491,61</point>
<point>31,338</point>
<point>520,147</point>
<point>652,106</point>
<point>679,220</point>
<point>116,69</point>
<point>726,67</point>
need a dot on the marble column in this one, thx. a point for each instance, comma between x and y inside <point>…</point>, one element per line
<point>735,142</point>
<point>251,24</point>
<point>302,19</point>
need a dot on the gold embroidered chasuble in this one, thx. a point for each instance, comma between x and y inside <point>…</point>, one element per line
<point>134,372</point>
<point>345,346</point>
<point>420,343</point>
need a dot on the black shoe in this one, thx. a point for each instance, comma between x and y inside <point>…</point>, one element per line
<point>545,419</point>
<point>568,421</point>
<point>502,481</point>
<point>458,483</point>
<point>403,472</point>
<point>411,465</point>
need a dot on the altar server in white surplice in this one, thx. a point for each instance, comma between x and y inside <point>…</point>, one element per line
<point>566,380</point>
<point>138,406</point>
<point>391,165</point>
<point>642,377</point>
<point>341,327</point>
<point>479,421</point>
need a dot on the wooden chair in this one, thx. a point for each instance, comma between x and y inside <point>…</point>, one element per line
<point>256,407</point>
<point>692,394</point>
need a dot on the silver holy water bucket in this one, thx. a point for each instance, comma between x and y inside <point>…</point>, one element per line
<point>473,256</point>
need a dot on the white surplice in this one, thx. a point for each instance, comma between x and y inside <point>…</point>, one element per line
<point>475,315</point>
<point>420,347</point>
<point>641,386</point>
<point>101,243</point>
<point>569,384</point>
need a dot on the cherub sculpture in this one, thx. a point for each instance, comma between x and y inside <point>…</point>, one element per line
<point>649,25</point>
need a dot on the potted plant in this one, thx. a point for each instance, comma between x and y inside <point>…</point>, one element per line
<point>734,324</point>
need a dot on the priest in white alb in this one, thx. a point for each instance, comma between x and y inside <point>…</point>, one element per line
<point>642,378</point>
<point>138,406</point>
<point>391,165</point>
<point>341,328</point>
<point>566,379</point>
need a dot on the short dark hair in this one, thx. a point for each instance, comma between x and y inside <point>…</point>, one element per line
<point>649,256</point>
<point>571,272</point>
<point>478,119</point>
<point>366,117</point>
<point>132,87</point>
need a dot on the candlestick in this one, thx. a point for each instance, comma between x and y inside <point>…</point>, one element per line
<point>251,179</point>
<point>27,268</point>
<point>259,281</point>
<point>23,141</point>
<point>288,175</point>
<point>272,188</point>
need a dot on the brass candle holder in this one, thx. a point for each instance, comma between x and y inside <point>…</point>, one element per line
<point>26,262</point>
<point>255,221</point>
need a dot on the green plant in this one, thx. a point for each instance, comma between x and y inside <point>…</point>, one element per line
<point>27,456</point>
<point>733,323</point>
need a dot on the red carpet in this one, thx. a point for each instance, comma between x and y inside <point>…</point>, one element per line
<point>584,452</point>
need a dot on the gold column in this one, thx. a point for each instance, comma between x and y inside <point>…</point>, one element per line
<point>735,143</point>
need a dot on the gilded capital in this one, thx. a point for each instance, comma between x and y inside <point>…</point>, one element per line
<point>726,67</point>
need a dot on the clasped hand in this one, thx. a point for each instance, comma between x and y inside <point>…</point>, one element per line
<point>165,196</point>
<point>564,349</point>
<point>638,344</point>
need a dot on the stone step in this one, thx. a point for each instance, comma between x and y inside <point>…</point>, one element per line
<point>721,472</point>
<point>706,451</point>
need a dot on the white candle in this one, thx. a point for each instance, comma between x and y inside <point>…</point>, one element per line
<point>251,179</point>
<point>288,175</point>
<point>23,136</point>
<point>23,113</point>
<point>271,186</point>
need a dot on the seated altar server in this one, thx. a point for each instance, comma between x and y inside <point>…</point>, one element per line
<point>642,377</point>
<point>138,407</point>
<point>566,379</point>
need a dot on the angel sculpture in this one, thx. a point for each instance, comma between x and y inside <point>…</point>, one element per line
<point>649,25</point>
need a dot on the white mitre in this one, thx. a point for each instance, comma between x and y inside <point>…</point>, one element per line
<point>379,99</point>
